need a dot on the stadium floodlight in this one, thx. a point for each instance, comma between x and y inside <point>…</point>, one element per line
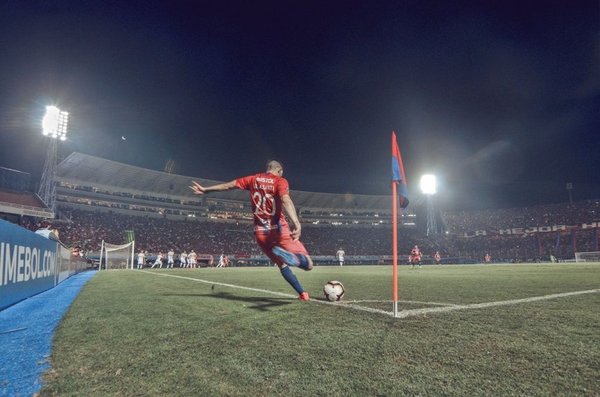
<point>428,184</point>
<point>54,123</point>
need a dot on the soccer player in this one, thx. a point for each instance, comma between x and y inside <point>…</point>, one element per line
<point>192,259</point>
<point>222,260</point>
<point>340,256</point>
<point>141,259</point>
<point>269,196</point>
<point>158,260</point>
<point>487,258</point>
<point>170,260</point>
<point>437,257</point>
<point>182,259</point>
<point>415,256</point>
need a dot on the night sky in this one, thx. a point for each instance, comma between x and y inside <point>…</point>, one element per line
<point>500,99</point>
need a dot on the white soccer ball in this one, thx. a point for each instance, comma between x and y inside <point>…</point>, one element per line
<point>334,291</point>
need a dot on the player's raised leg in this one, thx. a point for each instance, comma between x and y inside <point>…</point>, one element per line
<point>289,251</point>
<point>284,258</point>
<point>301,260</point>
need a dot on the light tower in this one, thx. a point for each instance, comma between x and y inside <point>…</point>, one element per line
<point>429,188</point>
<point>54,126</point>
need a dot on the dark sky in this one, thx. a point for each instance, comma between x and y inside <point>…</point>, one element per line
<point>500,99</point>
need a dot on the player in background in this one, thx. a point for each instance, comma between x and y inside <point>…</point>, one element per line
<point>487,258</point>
<point>340,256</point>
<point>192,259</point>
<point>415,256</point>
<point>158,260</point>
<point>270,197</point>
<point>222,260</point>
<point>141,259</point>
<point>437,257</point>
<point>170,259</point>
<point>183,259</point>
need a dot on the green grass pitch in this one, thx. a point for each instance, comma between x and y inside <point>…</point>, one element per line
<point>145,333</point>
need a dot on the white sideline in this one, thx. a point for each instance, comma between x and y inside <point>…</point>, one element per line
<point>448,307</point>
<point>418,312</point>
<point>221,284</point>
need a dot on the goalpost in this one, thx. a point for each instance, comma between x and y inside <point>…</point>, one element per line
<point>587,256</point>
<point>117,256</point>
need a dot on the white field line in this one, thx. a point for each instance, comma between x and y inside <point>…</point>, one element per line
<point>429,310</point>
<point>400,301</point>
<point>402,313</point>
<point>221,284</point>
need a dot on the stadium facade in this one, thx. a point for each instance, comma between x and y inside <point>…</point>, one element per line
<point>86,182</point>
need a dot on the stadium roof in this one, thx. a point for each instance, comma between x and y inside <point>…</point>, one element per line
<point>79,168</point>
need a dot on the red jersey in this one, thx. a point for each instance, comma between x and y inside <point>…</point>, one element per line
<point>415,254</point>
<point>266,191</point>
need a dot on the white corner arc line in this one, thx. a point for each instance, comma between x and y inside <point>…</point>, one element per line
<point>351,302</point>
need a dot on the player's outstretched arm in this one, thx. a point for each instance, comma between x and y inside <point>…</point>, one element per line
<point>199,189</point>
<point>290,210</point>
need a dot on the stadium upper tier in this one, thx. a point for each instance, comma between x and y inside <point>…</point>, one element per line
<point>23,203</point>
<point>86,170</point>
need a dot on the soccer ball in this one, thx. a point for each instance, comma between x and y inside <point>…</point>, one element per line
<point>333,290</point>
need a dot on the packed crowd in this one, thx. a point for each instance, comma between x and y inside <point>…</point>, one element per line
<point>87,229</point>
<point>541,215</point>
<point>526,248</point>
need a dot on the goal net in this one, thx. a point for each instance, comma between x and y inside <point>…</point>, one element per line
<point>587,256</point>
<point>113,256</point>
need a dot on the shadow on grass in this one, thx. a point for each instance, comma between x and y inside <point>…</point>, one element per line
<point>262,304</point>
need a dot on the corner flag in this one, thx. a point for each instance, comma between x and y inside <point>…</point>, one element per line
<point>398,178</point>
<point>398,175</point>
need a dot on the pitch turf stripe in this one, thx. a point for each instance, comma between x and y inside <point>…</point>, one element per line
<point>430,310</point>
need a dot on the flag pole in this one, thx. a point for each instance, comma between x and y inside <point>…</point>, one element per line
<point>395,249</point>
<point>398,178</point>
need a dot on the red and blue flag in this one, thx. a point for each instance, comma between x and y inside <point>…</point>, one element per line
<point>398,175</point>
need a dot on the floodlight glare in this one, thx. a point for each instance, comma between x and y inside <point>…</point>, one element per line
<point>428,184</point>
<point>55,123</point>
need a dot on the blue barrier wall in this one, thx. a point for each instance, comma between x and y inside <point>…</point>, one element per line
<point>28,263</point>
